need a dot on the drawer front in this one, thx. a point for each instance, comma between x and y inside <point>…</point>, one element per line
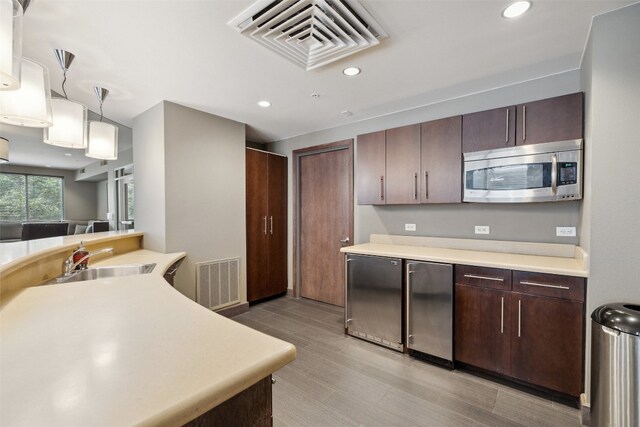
<point>550,285</point>
<point>483,277</point>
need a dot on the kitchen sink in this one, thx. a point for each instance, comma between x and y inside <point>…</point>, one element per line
<point>104,272</point>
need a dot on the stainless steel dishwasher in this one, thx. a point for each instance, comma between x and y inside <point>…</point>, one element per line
<point>374,299</point>
<point>430,309</point>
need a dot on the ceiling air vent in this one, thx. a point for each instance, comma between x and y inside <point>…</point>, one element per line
<point>311,33</point>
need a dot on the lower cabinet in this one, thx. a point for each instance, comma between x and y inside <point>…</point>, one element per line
<point>530,328</point>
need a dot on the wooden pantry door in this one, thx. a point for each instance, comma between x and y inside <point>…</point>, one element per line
<point>324,208</point>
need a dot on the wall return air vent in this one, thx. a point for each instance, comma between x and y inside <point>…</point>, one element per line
<point>310,33</point>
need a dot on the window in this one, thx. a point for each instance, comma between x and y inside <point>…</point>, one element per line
<point>31,197</point>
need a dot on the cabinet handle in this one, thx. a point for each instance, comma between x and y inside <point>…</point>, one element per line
<point>524,122</point>
<point>495,279</point>
<point>265,225</point>
<point>426,185</point>
<point>381,187</point>
<point>544,285</point>
<point>415,186</point>
<point>506,132</point>
<point>271,223</point>
<point>502,315</point>
<point>519,318</point>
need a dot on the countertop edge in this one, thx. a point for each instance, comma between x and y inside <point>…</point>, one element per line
<point>413,253</point>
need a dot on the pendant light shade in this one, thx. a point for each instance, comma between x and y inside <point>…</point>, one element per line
<point>103,141</point>
<point>31,104</point>
<point>4,150</point>
<point>10,44</point>
<point>69,128</point>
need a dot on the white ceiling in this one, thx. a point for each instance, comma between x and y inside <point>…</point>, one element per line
<point>146,51</point>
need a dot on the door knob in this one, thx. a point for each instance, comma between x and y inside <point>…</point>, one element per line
<point>345,241</point>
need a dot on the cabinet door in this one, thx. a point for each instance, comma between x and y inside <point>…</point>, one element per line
<point>547,342</point>
<point>371,159</point>
<point>482,319</point>
<point>549,120</point>
<point>487,130</point>
<point>441,161</point>
<point>403,165</point>
<point>277,224</point>
<point>257,218</point>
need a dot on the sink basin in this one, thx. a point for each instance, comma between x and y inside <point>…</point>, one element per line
<point>103,272</point>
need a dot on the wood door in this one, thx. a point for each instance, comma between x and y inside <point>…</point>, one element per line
<point>441,161</point>
<point>487,130</point>
<point>277,223</point>
<point>325,219</point>
<point>547,342</point>
<point>482,337</point>
<point>256,217</point>
<point>403,165</point>
<point>371,162</point>
<point>549,120</point>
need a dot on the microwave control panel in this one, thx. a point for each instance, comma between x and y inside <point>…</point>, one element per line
<point>567,173</point>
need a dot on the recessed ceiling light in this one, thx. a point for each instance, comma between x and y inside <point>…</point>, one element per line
<point>346,113</point>
<point>48,166</point>
<point>67,154</point>
<point>264,104</point>
<point>516,9</point>
<point>351,71</point>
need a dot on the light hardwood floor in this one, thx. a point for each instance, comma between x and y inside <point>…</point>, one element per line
<point>338,380</point>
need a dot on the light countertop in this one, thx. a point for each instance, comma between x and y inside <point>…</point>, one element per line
<point>123,351</point>
<point>142,256</point>
<point>533,263</point>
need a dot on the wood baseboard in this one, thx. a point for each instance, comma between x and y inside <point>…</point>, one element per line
<point>234,310</point>
<point>585,411</point>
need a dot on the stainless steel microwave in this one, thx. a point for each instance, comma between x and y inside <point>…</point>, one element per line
<point>529,173</point>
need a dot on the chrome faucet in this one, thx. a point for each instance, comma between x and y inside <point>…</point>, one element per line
<point>69,265</point>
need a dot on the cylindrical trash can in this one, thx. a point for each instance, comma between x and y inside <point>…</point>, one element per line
<point>615,366</point>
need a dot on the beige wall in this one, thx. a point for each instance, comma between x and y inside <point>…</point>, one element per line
<point>80,201</point>
<point>189,171</point>
<point>522,222</point>
<point>610,215</point>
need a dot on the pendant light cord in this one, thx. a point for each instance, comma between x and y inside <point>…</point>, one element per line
<point>101,111</point>
<point>64,81</point>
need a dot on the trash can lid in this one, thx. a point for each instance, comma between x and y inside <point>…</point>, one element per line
<point>623,317</point>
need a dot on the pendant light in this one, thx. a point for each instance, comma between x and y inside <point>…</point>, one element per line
<point>11,13</point>
<point>31,104</point>
<point>4,150</point>
<point>69,128</point>
<point>103,137</point>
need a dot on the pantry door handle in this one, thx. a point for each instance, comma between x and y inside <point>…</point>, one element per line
<point>271,221</point>
<point>265,225</point>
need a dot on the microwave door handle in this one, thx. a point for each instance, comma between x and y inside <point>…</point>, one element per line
<point>554,174</point>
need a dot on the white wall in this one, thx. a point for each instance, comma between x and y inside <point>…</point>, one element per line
<point>102,199</point>
<point>205,191</point>
<point>525,222</point>
<point>189,170</point>
<point>149,175</point>
<point>611,79</point>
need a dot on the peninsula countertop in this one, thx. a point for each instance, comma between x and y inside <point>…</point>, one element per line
<point>123,351</point>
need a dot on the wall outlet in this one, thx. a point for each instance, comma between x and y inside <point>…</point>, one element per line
<point>566,231</point>
<point>409,227</point>
<point>483,229</point>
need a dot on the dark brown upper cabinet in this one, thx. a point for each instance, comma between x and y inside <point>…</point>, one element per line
<point>441,161</point>
<point>371,160</point>
<point>488,130</point>
<point>403,165</point>
<point>549,120</point>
